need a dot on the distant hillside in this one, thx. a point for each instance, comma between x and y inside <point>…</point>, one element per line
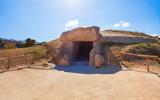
<point>17,43</point>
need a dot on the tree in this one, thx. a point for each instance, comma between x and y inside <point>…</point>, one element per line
<point>29,42</point>
<point>1,40</point>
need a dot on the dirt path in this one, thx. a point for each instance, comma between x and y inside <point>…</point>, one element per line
<point>30,84</point>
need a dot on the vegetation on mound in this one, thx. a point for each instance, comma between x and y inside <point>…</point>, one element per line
<point>109,46</point>
<point>29,42</point>
<point>37,51</point>
<point>9,45</point>
<point>146,48</point>
<point>1,40</point>
<point>105,44</point>
<point>141,34</point>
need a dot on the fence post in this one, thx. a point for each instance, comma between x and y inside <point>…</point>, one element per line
<point>108,59</point>
<point>32,58</point>
<point>147,64</point>
<point>158,59</point>
<point>9,62</point>
<point>158,71</point>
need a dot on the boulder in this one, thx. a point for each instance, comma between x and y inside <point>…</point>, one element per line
<point>81,34</point>
<point>99,60</point>
<point>64,61</point>
<point>91,56</point>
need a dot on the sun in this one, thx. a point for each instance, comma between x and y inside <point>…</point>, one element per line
<point>73,3</point>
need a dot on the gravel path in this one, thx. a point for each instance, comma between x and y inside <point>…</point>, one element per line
<point>31,84</point>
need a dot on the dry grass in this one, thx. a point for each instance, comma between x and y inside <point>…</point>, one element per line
<point>12,52</point>
<point>140,34</point>
<point>37,50</point>
<point>144,48</point>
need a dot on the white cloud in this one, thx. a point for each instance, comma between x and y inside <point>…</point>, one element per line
<point>116,25</point>
<point>71,24</point>
<point>155,35</point>
<point>122,24</point>
<point>126,24</point>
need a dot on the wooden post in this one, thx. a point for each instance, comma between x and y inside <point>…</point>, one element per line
<point>158,71</point>
<point>158,59</point>
<point>147,64</point>
<point>9,62</point>
<point>108,59</point>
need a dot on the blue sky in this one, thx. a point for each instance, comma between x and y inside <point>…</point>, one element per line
<point>45,20</point>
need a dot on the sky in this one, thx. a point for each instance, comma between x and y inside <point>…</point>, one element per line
<point>45,20</point>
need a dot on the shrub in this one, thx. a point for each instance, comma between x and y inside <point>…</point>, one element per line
<point>9,45</point>
<point>1,40</point>
<point>146,48</point>
<point>105,44</point>
<point>29,42</point>
<point>38,51</point>
<point>141,44</point>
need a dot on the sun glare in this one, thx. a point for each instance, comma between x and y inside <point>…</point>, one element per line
<point>74,3</point>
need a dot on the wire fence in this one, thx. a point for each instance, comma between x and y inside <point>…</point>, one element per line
<point>145,63</point>
<point>16,62</point>
<point>137,62</point>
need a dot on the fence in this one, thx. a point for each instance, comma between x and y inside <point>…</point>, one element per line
<point>15,62</point>
<point>137,62</point>
<point>145,63</point>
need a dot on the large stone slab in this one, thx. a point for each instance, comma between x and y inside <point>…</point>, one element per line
<point>81,34</point>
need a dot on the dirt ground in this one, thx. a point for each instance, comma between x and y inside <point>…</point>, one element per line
<point>32,84</point>
<point>141,65</point>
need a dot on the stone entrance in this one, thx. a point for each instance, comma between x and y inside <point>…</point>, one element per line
<point>79,44</point>
<point>82,50</point>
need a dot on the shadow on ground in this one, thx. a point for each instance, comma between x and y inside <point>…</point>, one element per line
<point>82,67</point>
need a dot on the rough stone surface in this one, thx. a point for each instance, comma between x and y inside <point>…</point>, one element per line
<point>64,61</point>
<point>99,60</point>
<point>91,57</point>
<point>81,34</point>
<point>61,51</point>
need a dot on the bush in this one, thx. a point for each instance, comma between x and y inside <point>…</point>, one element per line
<point>1,40</point>
<point>146,48</point>
<point>29,42</point>
<point>9,45</point>
<point>38,51</point>
<point>105,44</point>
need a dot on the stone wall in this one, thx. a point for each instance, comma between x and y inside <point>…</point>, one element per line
<point>63,54</point>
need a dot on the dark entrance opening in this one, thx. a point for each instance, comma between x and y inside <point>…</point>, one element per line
<point>82,50</point>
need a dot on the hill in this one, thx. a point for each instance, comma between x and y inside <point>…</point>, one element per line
<point>120,36</point>
<point>17,43</point>
<point>128,33</point>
